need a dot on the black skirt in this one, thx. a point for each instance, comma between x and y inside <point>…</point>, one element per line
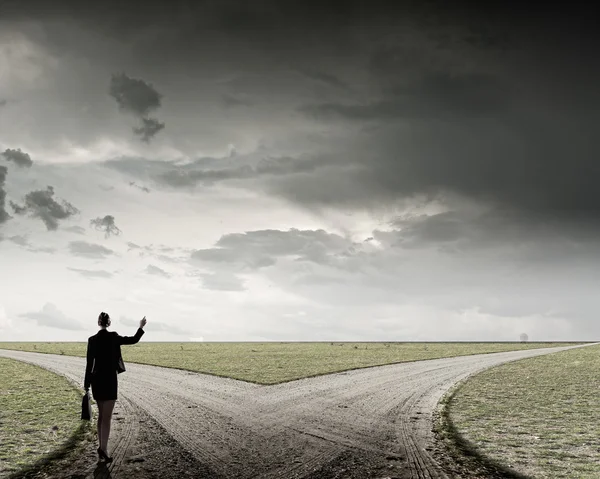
<point>104,385</point>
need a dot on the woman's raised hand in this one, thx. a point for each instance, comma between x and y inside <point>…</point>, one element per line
<point>143,322</point>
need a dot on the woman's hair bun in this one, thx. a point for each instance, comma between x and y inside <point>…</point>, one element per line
<point>103,318</point>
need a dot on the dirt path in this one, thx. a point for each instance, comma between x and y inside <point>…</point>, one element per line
<point>367,423</point>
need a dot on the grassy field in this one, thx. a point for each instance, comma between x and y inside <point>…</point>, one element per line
<point>39,416</point>
<point>272,363</point>
<point>538,417</point>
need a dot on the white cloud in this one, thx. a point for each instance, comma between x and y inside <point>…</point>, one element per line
<point>51,317</point>
<point>5,322</point>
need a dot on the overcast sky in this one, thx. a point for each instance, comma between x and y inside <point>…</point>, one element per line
<point>299,170</point>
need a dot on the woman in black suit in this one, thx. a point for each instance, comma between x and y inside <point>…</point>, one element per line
<point>104,362</point>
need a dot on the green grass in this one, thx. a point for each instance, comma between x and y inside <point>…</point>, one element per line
<point>537,417</point>
<point>39,417</point>
<point>272,363</point>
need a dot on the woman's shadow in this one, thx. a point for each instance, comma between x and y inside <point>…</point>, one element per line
<point>102,472</point>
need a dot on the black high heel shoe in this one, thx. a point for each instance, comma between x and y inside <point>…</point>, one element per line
<point>103,455</point>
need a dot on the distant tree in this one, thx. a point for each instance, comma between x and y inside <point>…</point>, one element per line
<point>524,338</point>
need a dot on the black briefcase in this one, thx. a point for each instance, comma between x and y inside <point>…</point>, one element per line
<point>120,363</point>
<point>86,407</point>
<point>120,366</point>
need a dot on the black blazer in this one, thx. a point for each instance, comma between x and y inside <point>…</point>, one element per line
<point>104,352</point>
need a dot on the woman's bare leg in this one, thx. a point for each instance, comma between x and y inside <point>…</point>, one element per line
<point>107,407</point>
<point>100,420</point>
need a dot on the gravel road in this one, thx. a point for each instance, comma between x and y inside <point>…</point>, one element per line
<point>367,423</point>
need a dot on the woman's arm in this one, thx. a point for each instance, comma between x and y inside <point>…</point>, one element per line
<point>89,365</point>
<point>133,339</point>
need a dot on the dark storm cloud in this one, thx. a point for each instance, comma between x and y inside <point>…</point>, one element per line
<point>18,157</point>
<point>149,128</point>
<point>134,95</point>
<point>326,78</point>
<point>106,224</point>
<point>89,250</point>
<point>434,230</point>
<point>184,176</point>
<point>507,134</point>
<point>51,317</point>
<point>139,98</point>
<point>527,160</point>
<point>156,271</point>
<point>558,240</point>
<point>453,112</point>
<point>437,96</point>
<point>41,204</point>
<point>92,273</point>
<point>231,101</point>
<point>4,216</point>
<point>474,99</point>
<point>381,110</point>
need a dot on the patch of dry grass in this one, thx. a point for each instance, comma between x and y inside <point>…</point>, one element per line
<point>537,417</point>
<point>39,416</point>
